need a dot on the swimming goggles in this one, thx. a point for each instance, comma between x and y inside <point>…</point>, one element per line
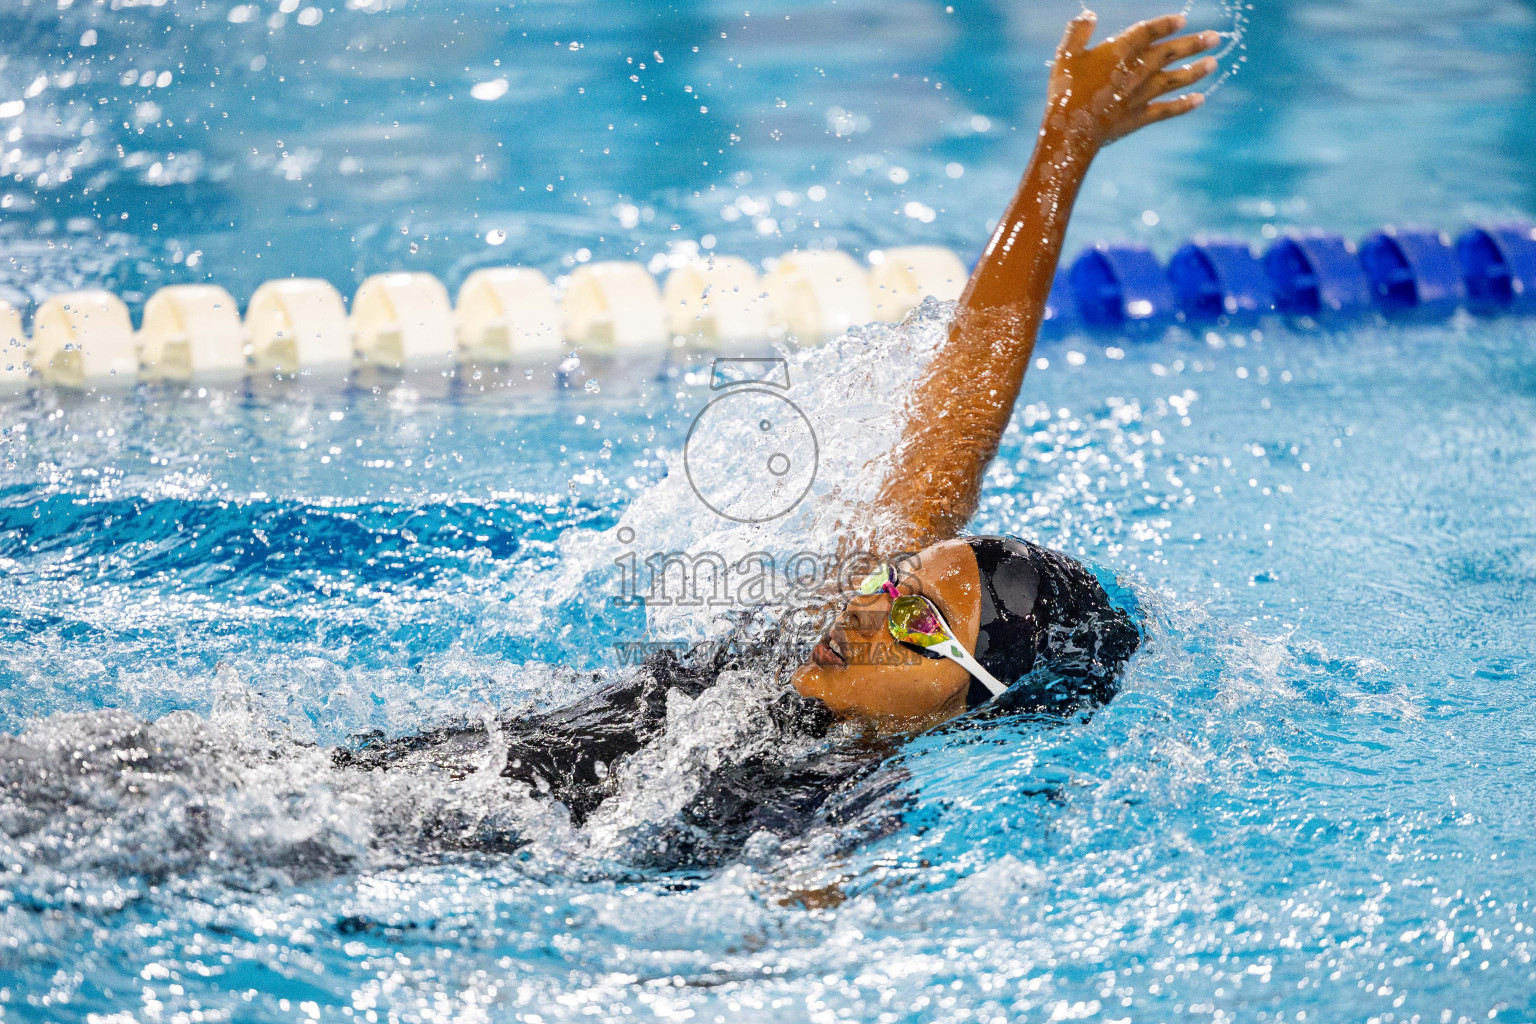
<point>915,622</point>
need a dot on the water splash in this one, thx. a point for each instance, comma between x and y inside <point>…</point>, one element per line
<point>91,799</point>
<point>851,391</point>
<point>1229,18</point>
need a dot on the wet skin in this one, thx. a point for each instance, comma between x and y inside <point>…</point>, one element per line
<point>962,404</point>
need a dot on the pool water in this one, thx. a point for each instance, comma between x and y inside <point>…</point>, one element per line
<point>1312,800</point>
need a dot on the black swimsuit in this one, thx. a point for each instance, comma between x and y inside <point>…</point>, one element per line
<point>570,752</point>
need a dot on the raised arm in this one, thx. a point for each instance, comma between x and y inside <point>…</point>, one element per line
<point>963,403</point>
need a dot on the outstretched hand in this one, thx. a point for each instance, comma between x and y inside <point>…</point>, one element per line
<point>966,396</point>
<point>1102,93</point>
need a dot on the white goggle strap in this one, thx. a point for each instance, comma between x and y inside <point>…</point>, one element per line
<point>952,650</point>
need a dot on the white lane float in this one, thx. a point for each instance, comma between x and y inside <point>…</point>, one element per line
<point>13,347</point>
<point>905,276</point>
<point>714,299</point>
<point>402,320</point>
<point>191,330</point>
<point>814,295</point>
<point>506,313</point>
<point>83,338</point>
<point>298,324</point>
<point>613,306</point>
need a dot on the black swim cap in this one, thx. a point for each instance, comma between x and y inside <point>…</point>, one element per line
<point>1041,609</point>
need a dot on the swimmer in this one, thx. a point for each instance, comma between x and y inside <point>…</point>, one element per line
<point>945,624</point>
<point>984,612</point>
<point>1001,607</point>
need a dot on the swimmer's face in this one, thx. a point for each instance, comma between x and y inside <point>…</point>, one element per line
<point>860,670</point>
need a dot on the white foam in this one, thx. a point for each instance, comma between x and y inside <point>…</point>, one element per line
<point>231,797</point>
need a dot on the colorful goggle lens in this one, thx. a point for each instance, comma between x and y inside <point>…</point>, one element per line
<point>883,576</point>
<point>914,621</point>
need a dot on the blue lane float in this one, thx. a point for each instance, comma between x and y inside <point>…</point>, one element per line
<point>1219,277</point>
<point>1317,274</point>
<point>1498,264</point>
<point>1314,276</point>
<point>1120,287</point>
<point>1061,315</point>
<point>1413,271</point>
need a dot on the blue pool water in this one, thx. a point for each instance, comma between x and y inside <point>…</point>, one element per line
<point>1312,800</point>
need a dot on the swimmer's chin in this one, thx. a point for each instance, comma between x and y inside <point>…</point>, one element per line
<point>809,682</point>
